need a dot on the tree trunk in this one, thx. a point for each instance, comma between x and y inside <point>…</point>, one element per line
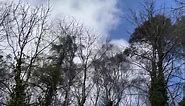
<point>18,95</point>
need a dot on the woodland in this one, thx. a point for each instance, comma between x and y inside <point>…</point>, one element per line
<point>54,62</point>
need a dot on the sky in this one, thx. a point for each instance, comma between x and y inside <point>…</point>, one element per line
<point>105,17</point>
<point>125,27</point>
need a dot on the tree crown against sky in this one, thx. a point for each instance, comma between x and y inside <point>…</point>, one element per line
<point>61,62</point>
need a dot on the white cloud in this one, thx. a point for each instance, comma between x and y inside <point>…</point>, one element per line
<point>98,15</point>
<point>121,44</point>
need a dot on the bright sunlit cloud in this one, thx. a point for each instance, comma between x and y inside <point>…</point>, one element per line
<point>98,15</point>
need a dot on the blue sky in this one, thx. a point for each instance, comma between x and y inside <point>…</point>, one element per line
<point>102,17</point>
<point>125,27</point>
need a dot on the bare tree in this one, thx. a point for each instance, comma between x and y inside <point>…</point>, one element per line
<point>24,29</point>
<point>110,71</point>
<point>65,50</point>
<point>153,46</point>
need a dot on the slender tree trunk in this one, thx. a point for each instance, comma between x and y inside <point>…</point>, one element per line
<point>97,96</point>
<point>66,98</point>
<point>49,95</point>
<point>158,92</point>
<point>161,78</point>
<point>18,96</point>
<point>83,88</point>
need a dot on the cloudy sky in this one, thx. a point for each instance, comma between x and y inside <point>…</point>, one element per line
<point>106,17</point>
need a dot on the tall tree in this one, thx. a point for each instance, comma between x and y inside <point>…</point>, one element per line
<point>152,45</point>
<point>24,29</point>
<point>179,31</point>
<point>110,76</point>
